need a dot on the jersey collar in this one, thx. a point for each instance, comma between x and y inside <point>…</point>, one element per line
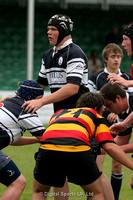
<point>106,71</point>
<point>69,41</point>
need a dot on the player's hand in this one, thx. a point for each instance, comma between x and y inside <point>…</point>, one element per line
<point>117,128</point>
<point>32,105</point>
<point>114,78</point>
<point>112,118</point>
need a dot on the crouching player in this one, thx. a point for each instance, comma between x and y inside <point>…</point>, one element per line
<point>13,123</point>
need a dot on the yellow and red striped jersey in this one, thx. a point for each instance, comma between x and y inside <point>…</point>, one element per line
<point>71,130</point>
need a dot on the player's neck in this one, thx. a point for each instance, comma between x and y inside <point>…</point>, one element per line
<point>110,70</point>
<point>62,42</point>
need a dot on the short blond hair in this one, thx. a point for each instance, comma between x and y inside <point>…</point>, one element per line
<point>111,48</point>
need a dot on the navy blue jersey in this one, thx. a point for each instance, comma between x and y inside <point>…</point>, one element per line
<point>14,122</point>
<point>124,115</point>
<point>99,79</point>
<point>68,65</point>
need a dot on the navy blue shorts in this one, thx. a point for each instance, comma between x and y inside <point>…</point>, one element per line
<point>52,168</point>
<point>9,173</point>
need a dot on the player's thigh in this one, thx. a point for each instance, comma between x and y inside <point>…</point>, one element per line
<point>94,189</point>
<point>99,161</point>
<point>38,187</point>
<point>9,174</point>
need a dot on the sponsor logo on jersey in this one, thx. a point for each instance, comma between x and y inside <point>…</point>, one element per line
<point>57,75</point>
<point>79,67</point>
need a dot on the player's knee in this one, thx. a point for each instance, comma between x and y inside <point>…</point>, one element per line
<point>23,181</point>
<point>116,167</point>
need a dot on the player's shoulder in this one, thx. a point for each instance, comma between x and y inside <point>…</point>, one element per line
<point>97,74</point>
<point>48,52</point>
<point>76,52</point>
<point>75,48</point>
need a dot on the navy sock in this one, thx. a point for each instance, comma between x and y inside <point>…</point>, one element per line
<point>116,182</point>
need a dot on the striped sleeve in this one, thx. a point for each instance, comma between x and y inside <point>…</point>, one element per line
<point>32,124</point>
<point>102,133</point>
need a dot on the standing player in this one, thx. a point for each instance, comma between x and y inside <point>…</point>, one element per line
<point>13,123</point>
<point>64,68</point>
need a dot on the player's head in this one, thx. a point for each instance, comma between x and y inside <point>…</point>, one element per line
<point>29,90</point>
<point>128,31</point>
<point>64,25</point>
<point>109,49</point>
<point>114,97</point>
<point>91,100</point>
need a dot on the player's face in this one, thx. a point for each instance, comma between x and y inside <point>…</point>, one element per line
<point>114,107</point>
<point>126,44</point>
<point>113,62</point>
<point>53,34</point>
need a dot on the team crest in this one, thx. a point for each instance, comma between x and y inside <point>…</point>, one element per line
<point>60,61</point>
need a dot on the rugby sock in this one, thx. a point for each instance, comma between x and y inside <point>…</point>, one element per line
<point>116,182</point>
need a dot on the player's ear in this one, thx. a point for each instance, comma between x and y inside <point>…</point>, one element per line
<point>118,98</point>
<point>105,60</point>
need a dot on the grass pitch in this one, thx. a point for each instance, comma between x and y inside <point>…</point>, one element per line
<point>24,158</point>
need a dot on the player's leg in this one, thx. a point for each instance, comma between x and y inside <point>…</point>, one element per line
<point>117,173</point>
<point>46,174</point>
<point>107,189</point>
<point>15,189</point>
<point>131,182</point>
<point>64,190</point>
<point>11,177</point>
<point>94,190</point>
<point>40,191</point>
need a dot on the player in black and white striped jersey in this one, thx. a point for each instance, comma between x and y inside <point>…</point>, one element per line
<point>64,69</point>
<point>13,123</point>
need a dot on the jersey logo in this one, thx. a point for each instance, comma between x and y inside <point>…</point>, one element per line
<point>1,105</point>
<point>11,172</point>
<point>60,61</point>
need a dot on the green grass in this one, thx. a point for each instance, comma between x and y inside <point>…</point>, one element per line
<point>24,158</point>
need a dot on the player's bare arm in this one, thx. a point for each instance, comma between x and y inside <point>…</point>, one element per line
<point>27,141</point>
<point>63,93</point>
<point>122,126</point>
<point>118,154</point>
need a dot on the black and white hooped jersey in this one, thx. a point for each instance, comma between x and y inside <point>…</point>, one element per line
<point>125,114</point>
<point>14,122</point>
<point>68,65</point>
<point>99,79</point>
